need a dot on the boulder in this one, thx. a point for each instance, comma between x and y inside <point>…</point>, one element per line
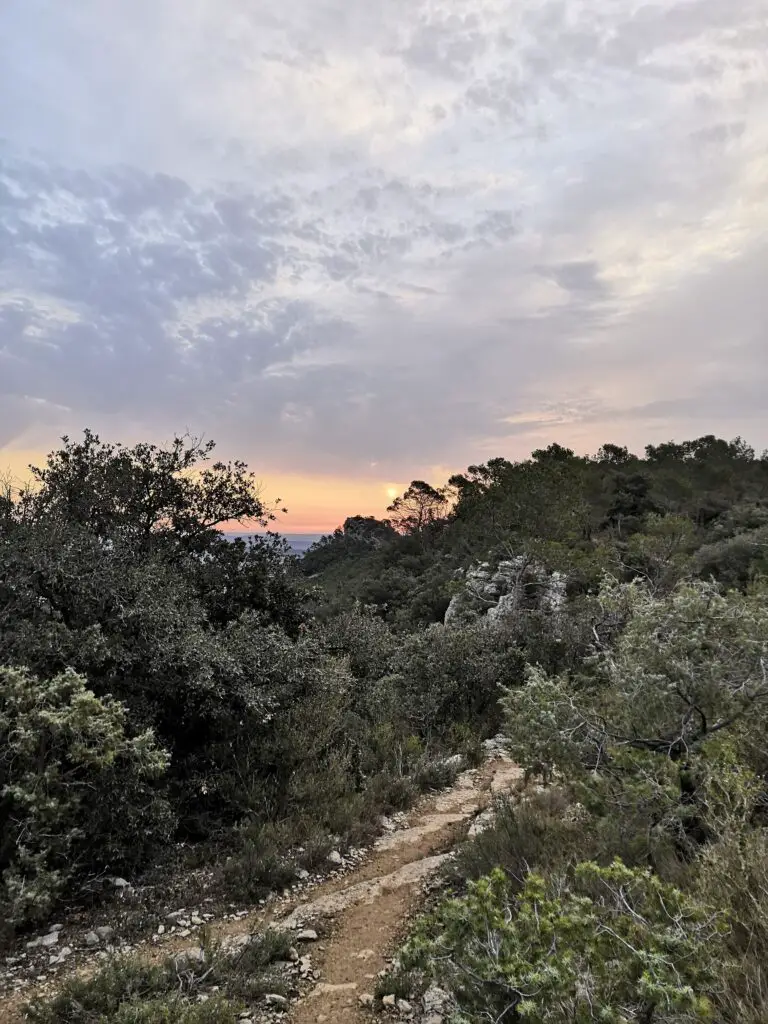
<point>189,957</point>
<point>435,1000</point>
<point>274,999</point>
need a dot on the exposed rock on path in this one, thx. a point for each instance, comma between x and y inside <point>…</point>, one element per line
<point>374,902</point>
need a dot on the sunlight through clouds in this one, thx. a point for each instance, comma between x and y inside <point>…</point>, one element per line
<point>338,235</point>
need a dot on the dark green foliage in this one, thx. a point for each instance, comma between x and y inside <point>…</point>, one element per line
<point>446,676</point>
<point>146,495</point>
<point>112,567</point>
<point>562,508</point>
<point>631,502</point>
<point>735,561</point>
<point>358,536</point>
<point>275,708</point>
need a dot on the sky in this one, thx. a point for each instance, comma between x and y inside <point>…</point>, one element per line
<point>360,243</point>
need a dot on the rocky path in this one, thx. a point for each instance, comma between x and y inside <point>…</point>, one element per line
<point>373,904</point>
<point>361,912</point>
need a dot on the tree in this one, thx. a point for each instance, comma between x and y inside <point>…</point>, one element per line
<point>553,453</point>
<point>143,493</point>
<point>631,501</point>
<point>681,668</point>
<point>358,536</point>
<point>542,498</point>
<point>660,550</point>
<point>113,566</point>
<point>614,455</point>
<point>421,507</point>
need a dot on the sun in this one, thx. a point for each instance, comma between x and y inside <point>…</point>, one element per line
<point>392,493</point>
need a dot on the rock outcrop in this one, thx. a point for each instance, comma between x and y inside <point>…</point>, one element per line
<point>501,592</point>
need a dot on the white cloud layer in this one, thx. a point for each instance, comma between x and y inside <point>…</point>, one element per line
<point>409,233</point>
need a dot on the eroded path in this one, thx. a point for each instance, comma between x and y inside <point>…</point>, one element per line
<point>373,903</point>
<point>363,911</point>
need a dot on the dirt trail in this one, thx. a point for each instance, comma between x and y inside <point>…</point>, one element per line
<point>374,902</point>
<point>369,905</point>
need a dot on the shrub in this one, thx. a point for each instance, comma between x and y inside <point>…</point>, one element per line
<point>447,676</point>
<point>130,990</point>
<point>60,745</point>
<point>733,874</point>
<point>259,865</point>
<point>541,832</point>
<point>686,666</point>
<point>735,561</point>
<point>612,938</point>
<point>271,719</point>
<point>364,640</point>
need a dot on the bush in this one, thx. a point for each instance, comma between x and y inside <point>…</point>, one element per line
<point>364,640</point>
<point>77,793</point>
<point>130,990</point>
<point>541,832</point>
<point>686,666</point>
<point>733,874</point>
<point>445,676</point>
<point>560,947</point>
<point>735,561</point>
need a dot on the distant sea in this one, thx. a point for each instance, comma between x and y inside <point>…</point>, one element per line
<point>299,542</point>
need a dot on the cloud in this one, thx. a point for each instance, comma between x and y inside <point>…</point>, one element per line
<point>406,234</point>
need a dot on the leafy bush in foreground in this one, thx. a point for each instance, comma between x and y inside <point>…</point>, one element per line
<point>76,791</point>
<point>613,944</point>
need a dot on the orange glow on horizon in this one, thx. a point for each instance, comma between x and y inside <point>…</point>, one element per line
<point>316,504</point>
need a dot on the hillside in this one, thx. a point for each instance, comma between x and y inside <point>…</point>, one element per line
<point>194,721</point>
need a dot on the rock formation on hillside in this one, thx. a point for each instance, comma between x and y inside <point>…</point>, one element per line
<point>498,593</point>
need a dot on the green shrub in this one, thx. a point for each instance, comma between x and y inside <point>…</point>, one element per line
<point>614,940</point>
<point>129,990</point>
<point>260,865</point>
<point>173,1010</point>
<point>124,981</point>
<point>543,831</point>
<point>77,794</point>
<point>447,676</point>
<point>685,666</point>
<point>735,561</point>
<point>733,874</point>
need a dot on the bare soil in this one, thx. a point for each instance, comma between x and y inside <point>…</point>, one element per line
<point>377,900</point>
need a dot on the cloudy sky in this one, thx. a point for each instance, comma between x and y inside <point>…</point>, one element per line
<point>359,242</point>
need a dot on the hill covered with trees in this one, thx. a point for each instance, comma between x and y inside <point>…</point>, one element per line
<point>702,504</point>
<point>161,685</point>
